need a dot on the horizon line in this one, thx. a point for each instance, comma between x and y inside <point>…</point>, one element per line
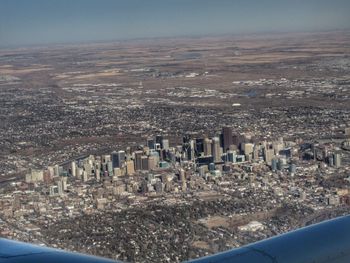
<point>150,39</point>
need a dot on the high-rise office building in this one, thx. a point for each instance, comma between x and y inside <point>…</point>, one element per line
<point>64,183</point>
<point>337,159</point>
<point>248,148</point>
<point>256,152</point>
<point>238,140</point>
<point>130,167</point>
<point>146,150</point>
<point>85,176</point>
<point>106,158</point>
<point>73,169</point>
<point>97,166</point>
<point>159,140</point>
<point>207,147</point>
<point>280,164</point>
<point>268,155</point>
<point>165,143</point>
<point>277,146</point>
<point>154,155</point>
<point>216,149</point>
<point>144,163</point>
<point>80,173</point>
<point>199,147</point>
<point>110,168</point>
<point>138,161</point>
<point>98,175</point>
<point>191,150</point>
<point>152,162</point>
<point>151,143</point>
<point>60,187</point>
<point>121,159</point>
<point>56,170</point>
<point>227,138</point>
<point>115,161</point>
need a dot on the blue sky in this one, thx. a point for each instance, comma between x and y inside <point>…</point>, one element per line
<point>28,22</point>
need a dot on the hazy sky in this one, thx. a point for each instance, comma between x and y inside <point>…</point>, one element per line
<point>24,22</point>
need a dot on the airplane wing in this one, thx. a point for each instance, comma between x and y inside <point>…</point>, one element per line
<point>18,252</point>
<point>327,242</point>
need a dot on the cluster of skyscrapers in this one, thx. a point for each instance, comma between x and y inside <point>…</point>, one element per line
<point>204,156</point>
